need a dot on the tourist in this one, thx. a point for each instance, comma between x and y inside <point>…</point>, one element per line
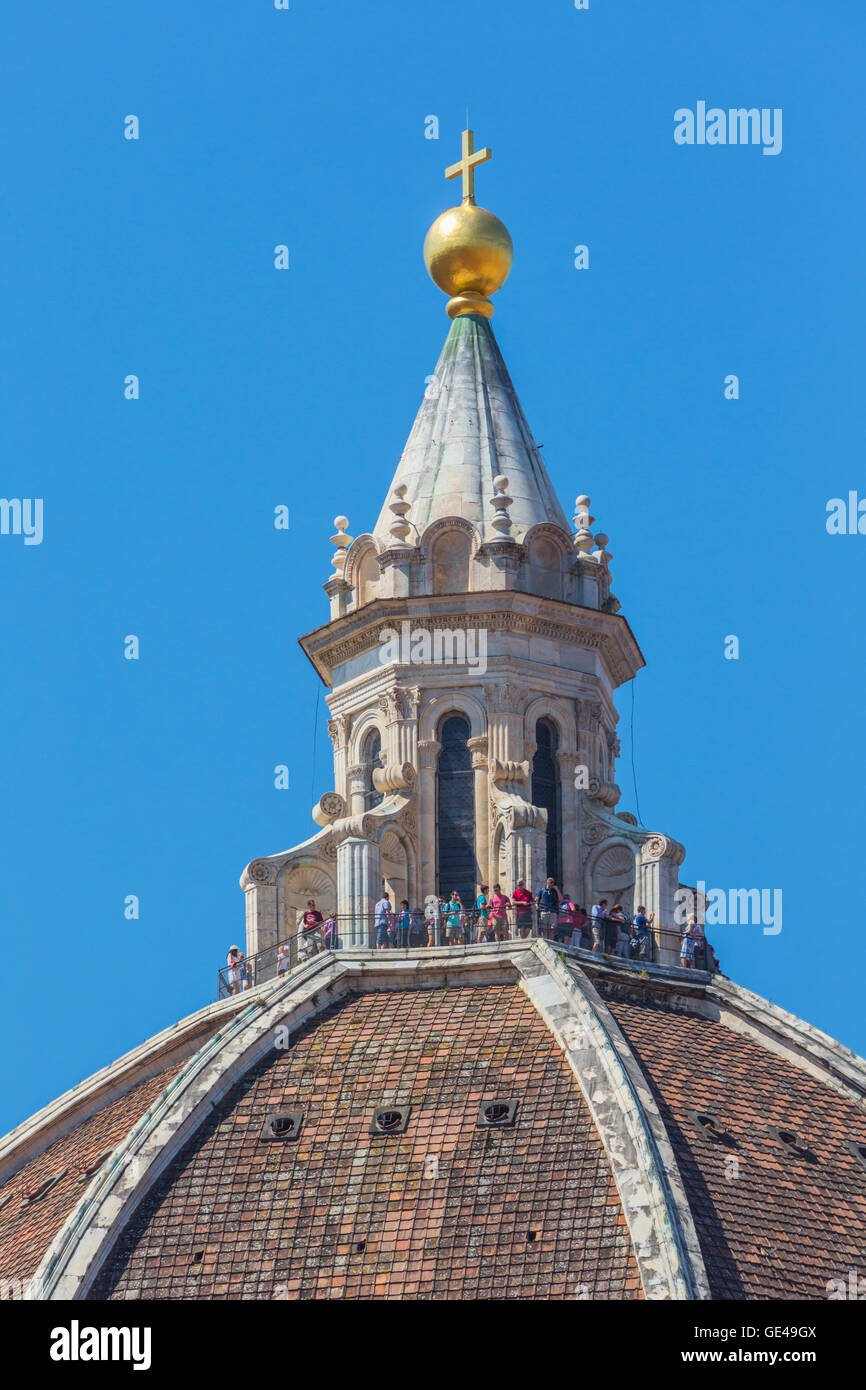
<point>548,907</point>
<point>311,926</point>
<point>521,899</point>
<point>565,919</point>
<point>700,945</point>
<point>404,925</point>
<point>284,960</point>
<point>687,948</point>
<point>433,907</point>
<point>454,919</point>
<point>418,930</point>
<point>599,926</point>
<point>482,915</point>
<point>642,940</point>
<point>329,932</point>
<point>617,933</point>
<point>499,905</point>
<point>582,934</point>
<point>236,970</point>
<point>382,917</point>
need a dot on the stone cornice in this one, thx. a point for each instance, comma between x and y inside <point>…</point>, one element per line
<point>607,633</point>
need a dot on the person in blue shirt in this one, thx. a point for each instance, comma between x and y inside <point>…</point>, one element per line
<point>482,914</point>
<point>642,939</point>
<point>454,920</point>
<point>404,925</point>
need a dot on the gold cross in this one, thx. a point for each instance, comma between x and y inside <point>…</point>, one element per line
<point>466,165</point>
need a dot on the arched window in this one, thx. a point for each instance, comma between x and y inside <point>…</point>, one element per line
<point>371,757</point>
<point>456,811</point>
<point>546,792</point>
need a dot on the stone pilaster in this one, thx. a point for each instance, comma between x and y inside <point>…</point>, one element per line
<point>661,858</point>
<point>356,787</point>
<point>259,882</point>
<point>569,797</point>
<point>338,592</point>
<point>428,756</point>
<point>478,750</point>
<point>358,882</point>
<point>338,731</point>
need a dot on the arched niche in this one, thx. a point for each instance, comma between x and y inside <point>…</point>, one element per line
<point>362,570</point>
<point>296,884</point>
<point>451,561</point>
<point>547,553</point>
<point>612,873</point>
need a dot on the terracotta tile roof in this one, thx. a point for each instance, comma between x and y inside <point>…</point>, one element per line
<point>341,1213</point>
<point>36,1200</point>
<point>771,1225</point>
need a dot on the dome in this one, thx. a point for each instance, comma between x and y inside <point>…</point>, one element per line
<point>517,1123</point>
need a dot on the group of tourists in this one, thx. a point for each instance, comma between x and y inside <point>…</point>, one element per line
<point>491,917</point>
<point>550,914</point>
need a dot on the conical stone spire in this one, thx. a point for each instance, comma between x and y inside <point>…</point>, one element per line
<point>470,430</point>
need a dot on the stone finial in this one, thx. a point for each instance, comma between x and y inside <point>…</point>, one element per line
<point>400,527</point>
<point>602,556</point>
<point>582,522</point>
<point>341,541</point>
<point>500,502</point>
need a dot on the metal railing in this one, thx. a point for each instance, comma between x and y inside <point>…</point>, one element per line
<point>466,927</point>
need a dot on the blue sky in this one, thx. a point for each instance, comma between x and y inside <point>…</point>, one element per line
<point>261,387</point>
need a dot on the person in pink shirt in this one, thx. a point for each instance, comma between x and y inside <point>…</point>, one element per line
<point>499,905</point>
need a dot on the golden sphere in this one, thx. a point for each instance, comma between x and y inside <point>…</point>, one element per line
<point>468,250</point>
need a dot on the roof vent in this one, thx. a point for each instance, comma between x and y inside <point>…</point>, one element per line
<point>790,1140</point>
<point>284,1125</point>
<point>34,1193</point>
<point>91,1167</point>
<point>858,1149</point>
<point>495,1114</point>
<point>390,1119</point>
<point>710,1126</point>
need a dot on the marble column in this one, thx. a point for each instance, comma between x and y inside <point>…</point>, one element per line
<point>428,756</point>
<point>260,906</point>
<point>658,881</point>
<point>356,786</point>
<point>478,750</point>
<point>358,880</point>
<point>570,824</point>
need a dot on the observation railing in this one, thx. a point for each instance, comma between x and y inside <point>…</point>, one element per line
<point>620,941</point>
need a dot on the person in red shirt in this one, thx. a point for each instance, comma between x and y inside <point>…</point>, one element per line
<point>522,900</point>
<point>499,905</point>
<point>310,926</point>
